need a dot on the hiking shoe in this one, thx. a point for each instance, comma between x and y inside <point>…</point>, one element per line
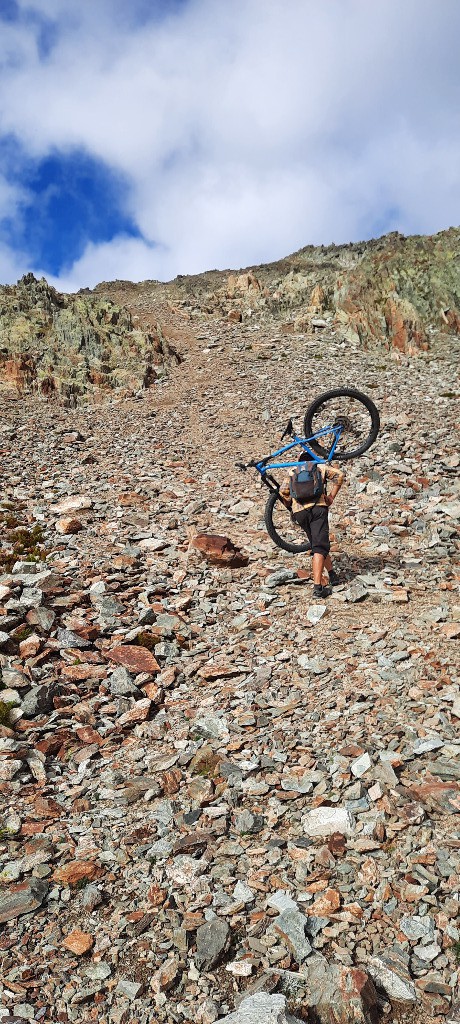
<point>334,578</point>
<point>320,591</point>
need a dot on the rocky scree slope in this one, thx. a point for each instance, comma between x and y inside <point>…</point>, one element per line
<point>219,801</point>
<point>393,291</point>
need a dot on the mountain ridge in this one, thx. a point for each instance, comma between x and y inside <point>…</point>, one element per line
<point>394,292</point>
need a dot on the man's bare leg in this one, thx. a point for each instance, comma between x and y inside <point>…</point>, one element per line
<point>318,566</point>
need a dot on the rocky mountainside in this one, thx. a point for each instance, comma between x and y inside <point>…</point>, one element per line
<point>221,801</point>
<point>74,346</point>
<point>394,292</point>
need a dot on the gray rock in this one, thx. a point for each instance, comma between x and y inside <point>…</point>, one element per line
<point>281,901</point>
<point>276,579</point>
<point>23,900</point>
<point>417,927</point>
<point>39,700</point>
<point>261,1008</point>
<point>391,972</point>
<point>67,640</point>
<point>242,893</point>
<point>28,568</point>
<point>338,993</point>
<point>314,665</point>
<point>323,821</point>
<point>291,926</point>
<point>90,897</point>
<point>98,972</point>
<point>249,824</point>
<point>121,684</point>
<point>210,726</point>
<point>130,989</point>
<point>212,940</point>
<point>361,765</point>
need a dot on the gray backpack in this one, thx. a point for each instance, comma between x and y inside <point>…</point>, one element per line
<point>307,484</point>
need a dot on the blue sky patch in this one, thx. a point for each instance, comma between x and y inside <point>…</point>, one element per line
<point>73,199</point>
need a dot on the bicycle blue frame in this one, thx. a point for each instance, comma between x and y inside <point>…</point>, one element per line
<point>263,466</point>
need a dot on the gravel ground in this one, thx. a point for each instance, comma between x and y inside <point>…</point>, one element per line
<point>220,802</point>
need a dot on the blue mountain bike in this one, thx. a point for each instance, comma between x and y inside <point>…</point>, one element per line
<point>340,424</point>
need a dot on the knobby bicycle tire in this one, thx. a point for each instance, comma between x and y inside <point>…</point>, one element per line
<point>330,396</point>
<point>275,502</point>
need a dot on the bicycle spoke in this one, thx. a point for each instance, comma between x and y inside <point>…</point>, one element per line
<point>286,526</point>
<point>348,413</point>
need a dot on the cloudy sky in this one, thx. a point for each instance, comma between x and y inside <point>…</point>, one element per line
<point>147,138</point>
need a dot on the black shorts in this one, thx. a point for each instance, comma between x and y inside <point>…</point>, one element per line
<point>315,522</point>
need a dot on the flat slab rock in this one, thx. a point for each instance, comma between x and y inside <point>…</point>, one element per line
<point>324,821</point>
<point>22,899</point>
<point>135,659</point>
<point>261,1008</point>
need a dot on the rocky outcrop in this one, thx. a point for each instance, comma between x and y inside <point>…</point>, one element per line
<point>71,346</point>
<point>392,291</point>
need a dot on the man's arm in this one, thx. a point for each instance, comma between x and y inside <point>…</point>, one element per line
<point>337,477</point>
<point>285,490</point>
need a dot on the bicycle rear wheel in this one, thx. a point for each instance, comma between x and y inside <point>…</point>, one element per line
<point>357,415</point>
<point>282,528</point>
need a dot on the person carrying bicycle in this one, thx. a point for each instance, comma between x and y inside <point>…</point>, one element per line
<point>312,514</point>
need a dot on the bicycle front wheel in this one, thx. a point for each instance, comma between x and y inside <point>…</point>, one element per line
<point>350,409</point>
<point>282,528</point>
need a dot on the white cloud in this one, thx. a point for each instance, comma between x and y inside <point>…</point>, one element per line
<point>246,130</point>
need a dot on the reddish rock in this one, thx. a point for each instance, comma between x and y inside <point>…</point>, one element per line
<point>28,648</point>
<point>138,713</point>
<point>451,630</point>
<point>76,871</point>
<point>67,525</point>
<point>339,995</point>
<point>47,808</point>
<point>135,659</point>
<point>80,672</point>
<point>210,672</point>
<point>337,844</point>
<point>89,735</point>
<point>171,781</point>
<point>73,504</point>
<point>219,550</point>
<point>154,692</point>
<point>326,904</point>
<point>78,942</point>
<point>444,796</point>
<point>52,744</point>
<point>156,896</point>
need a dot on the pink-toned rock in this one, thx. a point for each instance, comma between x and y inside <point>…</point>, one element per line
<point>30,647</point>
<point>219,671</point>
<point>69,525</point>
<point>138,713</point>
<point>78,942</point>
<point>326,904</point>
<point>73,504</point>
<point>451,630</point>
<point>135,659</point>
<point>219,550</point>
<point>154,692</point>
